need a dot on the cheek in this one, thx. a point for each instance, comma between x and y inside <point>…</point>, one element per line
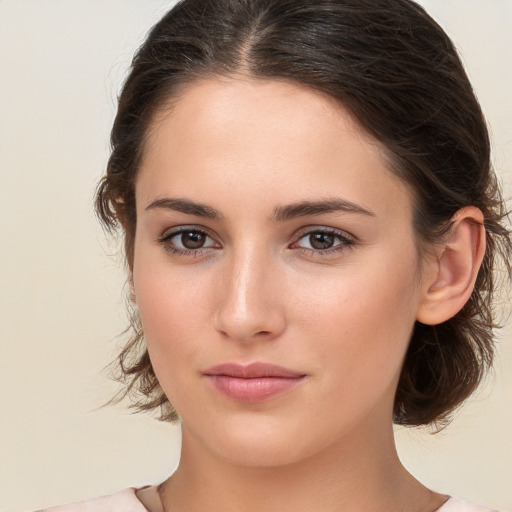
<point>364,297</point>
<point>166,304</point>
<point>170,298</point>
<point>173,306</point>
<point>360,324</point>
<point>171,319</point>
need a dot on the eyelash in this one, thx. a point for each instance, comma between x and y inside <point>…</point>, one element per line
<point>343,242</point>
<point>166,238</point>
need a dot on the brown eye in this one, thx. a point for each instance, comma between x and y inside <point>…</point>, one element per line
<point>321,241</point>
<point>192,239</point>
<point>324,242</point>
<point>187,241</point>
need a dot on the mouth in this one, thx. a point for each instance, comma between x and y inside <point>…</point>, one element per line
<point>252,383</point>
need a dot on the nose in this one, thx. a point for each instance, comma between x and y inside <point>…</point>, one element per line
<point>250,303</point>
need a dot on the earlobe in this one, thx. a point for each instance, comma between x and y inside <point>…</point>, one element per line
<point>455,269</point>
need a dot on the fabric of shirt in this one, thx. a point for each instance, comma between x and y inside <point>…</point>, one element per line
<point>147,499</point>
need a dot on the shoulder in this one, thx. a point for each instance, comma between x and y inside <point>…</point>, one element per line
<point>121,501</point>
<point>458,505</point>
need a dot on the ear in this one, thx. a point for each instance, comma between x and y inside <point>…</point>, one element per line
<point>453,270</point>
<point>133,298</point>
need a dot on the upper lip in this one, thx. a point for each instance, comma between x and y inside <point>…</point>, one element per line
<point>252,371</point>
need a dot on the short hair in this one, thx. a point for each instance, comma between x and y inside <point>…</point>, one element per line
<point>394,68</point>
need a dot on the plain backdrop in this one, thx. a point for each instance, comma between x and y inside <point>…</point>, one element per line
<point>62,286</point>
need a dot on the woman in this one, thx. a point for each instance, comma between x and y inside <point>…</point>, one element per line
<point>311,229</point>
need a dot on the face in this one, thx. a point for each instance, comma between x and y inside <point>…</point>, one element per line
<point>275,271</point>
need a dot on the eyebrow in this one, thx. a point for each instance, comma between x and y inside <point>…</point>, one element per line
<point>280,214</point>
<point>185,206</point>
<point>303,208</point>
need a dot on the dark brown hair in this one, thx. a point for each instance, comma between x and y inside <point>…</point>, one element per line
<point>399,74</point>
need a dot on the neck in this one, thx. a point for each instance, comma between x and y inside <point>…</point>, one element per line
<point>361,473</point>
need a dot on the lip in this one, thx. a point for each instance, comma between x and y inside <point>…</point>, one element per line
<point>252,383</point>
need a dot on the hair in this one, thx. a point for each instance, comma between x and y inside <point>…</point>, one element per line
<point>393,67</point>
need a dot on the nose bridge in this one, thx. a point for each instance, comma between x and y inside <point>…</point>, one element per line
<point>249,302</point>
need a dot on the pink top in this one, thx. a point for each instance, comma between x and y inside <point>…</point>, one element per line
<point>146,499</point>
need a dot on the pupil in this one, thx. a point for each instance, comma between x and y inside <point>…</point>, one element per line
<point>193,239</point>
<point>321,240</point>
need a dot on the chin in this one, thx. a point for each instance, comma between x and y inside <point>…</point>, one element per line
<point>255,441</point>
<point>261,454</point>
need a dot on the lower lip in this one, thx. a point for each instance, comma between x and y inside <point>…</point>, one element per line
<point>255,389</point>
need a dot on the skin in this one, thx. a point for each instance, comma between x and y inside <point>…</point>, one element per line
<point>259,291</point>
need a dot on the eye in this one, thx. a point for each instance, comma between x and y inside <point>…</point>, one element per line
<point>319,240</point>
<point>187,241</point>
<point>323,241</point>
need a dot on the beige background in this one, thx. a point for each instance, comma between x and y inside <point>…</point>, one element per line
<point>61,298</point>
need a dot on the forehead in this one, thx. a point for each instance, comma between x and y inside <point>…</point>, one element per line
<point>262,140</point>
<point>211,108</point>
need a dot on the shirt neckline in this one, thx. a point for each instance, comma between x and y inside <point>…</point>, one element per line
<point>150,499</point>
